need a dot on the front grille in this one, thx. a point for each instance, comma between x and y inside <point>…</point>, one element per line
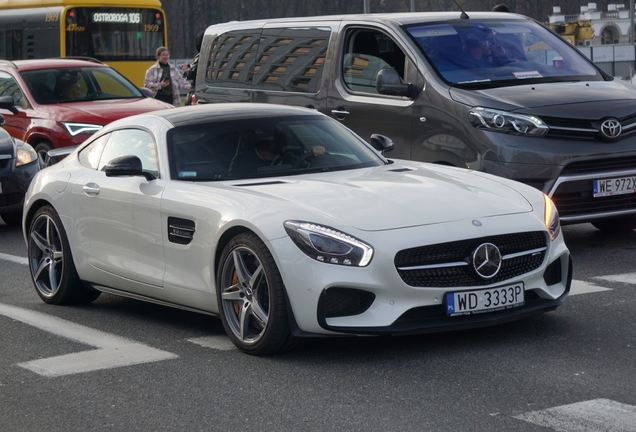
<point>346,302</point>
<point>11,194</point>
<point>575,203</point>
<point>439,256</point>
<point>585,129</point>
<point>599,165</point>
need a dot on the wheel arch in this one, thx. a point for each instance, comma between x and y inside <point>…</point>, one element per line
<point>225,239</point>
<point>38,204</point>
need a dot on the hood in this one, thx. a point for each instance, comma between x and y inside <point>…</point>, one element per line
<point>101,112</point>
<point>394,196</point>
<point>555,99</point>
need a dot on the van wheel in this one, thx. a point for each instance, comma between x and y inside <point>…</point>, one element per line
<point>51,262</point>
<point>42,148</point>
<point>251,297</point>
<point>616,225</point>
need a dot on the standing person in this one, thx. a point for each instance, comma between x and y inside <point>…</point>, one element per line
<point>190,71</point>
<point>164,79</point>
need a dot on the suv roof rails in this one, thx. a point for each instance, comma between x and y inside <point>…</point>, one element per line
<point>90,59</point>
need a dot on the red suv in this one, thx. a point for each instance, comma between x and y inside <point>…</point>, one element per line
<point>60,102</point>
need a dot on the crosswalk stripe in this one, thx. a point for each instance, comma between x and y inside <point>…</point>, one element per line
<point>626,277</point>
<point>593,415</point>
<point>14,258</point>
<point>113,351</point>
<point>582,287</point>
<point>221,343</point>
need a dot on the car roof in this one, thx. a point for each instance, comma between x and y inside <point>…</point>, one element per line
<point>189,115</point>
<point>50,63</point>
<point>401,18</point>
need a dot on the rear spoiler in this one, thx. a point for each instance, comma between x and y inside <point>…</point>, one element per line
<point>55,155</point>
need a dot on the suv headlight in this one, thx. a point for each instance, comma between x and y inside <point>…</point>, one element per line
<point>328,245</point>
<point>551,218</point>
<point>80,128</point>
<point>25,154</point>
<point>505,122</point>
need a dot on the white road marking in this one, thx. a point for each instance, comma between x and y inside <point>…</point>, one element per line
<point>582,287</point>
<point>114,351</point>
<point>589,416</point>
<point>221,343</point>
<point>15,259</point>
<point>627,278</point>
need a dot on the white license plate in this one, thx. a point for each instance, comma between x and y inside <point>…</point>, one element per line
<point>615,186</point>
<point>482,301</point>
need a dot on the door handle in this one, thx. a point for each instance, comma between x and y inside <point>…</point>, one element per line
<point>340,113</point>
<point>91,189</point>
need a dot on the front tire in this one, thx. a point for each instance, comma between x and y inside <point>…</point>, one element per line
<point>51,262</point>
<point>42,150</point>
<point>616,225</point>
<point>251,297</point>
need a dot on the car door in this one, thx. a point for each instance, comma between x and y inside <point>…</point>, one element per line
<point>121,220</point>
<point>354,99</point>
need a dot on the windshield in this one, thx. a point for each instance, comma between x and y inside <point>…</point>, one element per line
<point>265,147</point>
<point>499,52</point>
<point>78,84</point>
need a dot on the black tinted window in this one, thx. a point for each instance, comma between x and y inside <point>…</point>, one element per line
<point>231,60</point>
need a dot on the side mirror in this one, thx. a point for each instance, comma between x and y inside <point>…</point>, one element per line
<point>382,143</point>
<point>388,82</point>
<point>126,166</point>
<point>1,120</point>
<point>6,102</point>
<point>145,91</point>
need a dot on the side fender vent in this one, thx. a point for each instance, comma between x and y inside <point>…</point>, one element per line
<point>180,231</point>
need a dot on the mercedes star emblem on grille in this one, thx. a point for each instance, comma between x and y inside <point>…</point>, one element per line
<point>611,128</point>
<point>487,260</point>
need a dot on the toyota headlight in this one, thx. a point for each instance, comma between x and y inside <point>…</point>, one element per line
<point>80,128</point>
<point>551,218</point>
<point>328,245</point>
<point>25,154</point>
<point>505,122</point>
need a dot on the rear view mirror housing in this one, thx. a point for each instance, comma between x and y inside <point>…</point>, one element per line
<point>388,82</point>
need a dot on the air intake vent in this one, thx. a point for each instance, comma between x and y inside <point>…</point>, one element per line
<point>180,231</point>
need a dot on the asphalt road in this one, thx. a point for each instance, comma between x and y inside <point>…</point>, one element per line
<point>573,369</point>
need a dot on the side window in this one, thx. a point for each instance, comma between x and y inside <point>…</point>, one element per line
<point>232,57</point>
<point>9,87</point>
<point>291,59</point>
<point>89,156</point>
<point>366,53</point>
<point>131,142</point>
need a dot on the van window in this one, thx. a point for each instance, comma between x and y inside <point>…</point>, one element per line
<point>291,59</point>
<point>499,52</point>
<point>366,53</point>
<point>231,60</point>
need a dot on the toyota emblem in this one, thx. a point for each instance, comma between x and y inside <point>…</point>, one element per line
<point>487,260</point>
<point>611,128</point>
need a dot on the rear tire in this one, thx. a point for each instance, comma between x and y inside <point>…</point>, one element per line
<point>616,225</point>
<point>251,297</point>
<point>51,262</point>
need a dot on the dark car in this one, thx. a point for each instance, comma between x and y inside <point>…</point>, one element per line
<point>61,102</point>
<point>18,165</point>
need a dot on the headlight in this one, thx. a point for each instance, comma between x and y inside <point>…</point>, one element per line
<point>25,154</point>
<point>80,128</point>
<point>328,245</point>
<point>505,122</point>
<point>551,218</point>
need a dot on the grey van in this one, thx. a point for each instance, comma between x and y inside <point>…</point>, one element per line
<point>490,91</point>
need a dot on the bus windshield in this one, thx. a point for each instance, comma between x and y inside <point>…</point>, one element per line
<point>114,34</point>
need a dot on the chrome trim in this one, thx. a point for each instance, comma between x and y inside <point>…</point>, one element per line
<point>529,252</point>
<point>573,129</point>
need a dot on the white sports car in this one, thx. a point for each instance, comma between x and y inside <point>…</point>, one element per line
<point>285,224</point>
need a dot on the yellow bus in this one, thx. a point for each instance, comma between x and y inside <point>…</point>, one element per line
<point>121,33</point>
